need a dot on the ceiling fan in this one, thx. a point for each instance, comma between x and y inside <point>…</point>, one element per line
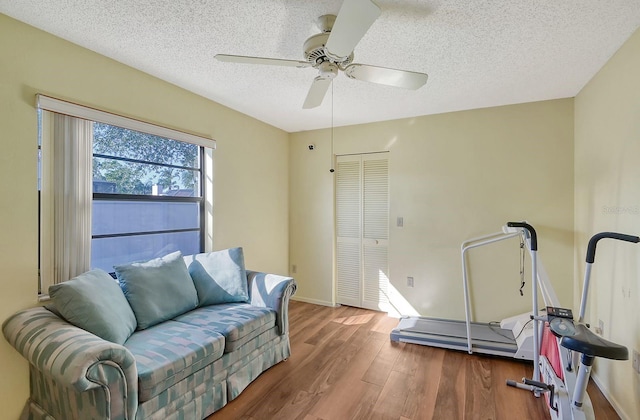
<point>332,50</point>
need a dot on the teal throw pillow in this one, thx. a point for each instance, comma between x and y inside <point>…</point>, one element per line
<point>219,277</point>
<point>158,289</point>
<point>94,302</point>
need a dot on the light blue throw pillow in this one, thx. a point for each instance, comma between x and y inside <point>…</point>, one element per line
<point>158,289</point>
<point>94,302</point>
<point>219,277</point>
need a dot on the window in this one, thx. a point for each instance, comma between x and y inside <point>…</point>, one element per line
<point>132,191</point>
<point>147,199</point>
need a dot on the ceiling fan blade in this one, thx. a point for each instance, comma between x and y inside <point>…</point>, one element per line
<point>317,91</point>
<point>261,60</point>
<point>384,76</point>
<point>354,19</point>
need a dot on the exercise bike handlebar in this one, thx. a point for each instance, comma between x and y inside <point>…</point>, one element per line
<point>532,232</point>
<point>591,248</point>
<point>591,257</point>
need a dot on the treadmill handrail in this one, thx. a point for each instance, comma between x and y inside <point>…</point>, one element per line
<point>548,294</point>
<point>467,245</point>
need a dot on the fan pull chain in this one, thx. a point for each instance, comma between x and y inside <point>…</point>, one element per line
<point>331,157</point>
<point>521,264</point>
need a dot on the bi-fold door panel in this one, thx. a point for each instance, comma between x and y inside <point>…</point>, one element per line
<point>348,216</point>
<point>362,227</point>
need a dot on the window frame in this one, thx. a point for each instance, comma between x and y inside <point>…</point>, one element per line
<point>206,147</point>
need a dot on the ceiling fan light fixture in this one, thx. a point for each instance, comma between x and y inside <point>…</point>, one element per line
<point>328,70</point>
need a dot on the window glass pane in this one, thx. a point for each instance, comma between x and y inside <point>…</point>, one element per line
<point>107,252</point>
<point>124,143</point>
<point>122,177</point>
<point>131,162</point>
<point>127,162</point>
<point>113,216</point>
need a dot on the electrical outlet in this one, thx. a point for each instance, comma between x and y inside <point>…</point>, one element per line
<point>410,281</point>
<point>400,221</point>
<point>600,327</point>
<point>294,269</point>
<point>636,361</point>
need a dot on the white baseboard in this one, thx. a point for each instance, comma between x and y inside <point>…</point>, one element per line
<point>614,403</point>
<point>314,301</point>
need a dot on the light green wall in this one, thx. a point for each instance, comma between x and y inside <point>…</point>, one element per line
<point>452,177</point>
<point>607,198</point>
<point>251,164</point>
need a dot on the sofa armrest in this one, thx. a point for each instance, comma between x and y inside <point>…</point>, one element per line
<point>73,357</point>
<point>272,291</point>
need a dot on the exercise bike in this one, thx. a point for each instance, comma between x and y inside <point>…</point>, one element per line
<point>565,354</point>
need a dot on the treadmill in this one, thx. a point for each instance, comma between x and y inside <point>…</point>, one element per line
<point>451,334</point>
<point>514,337</point>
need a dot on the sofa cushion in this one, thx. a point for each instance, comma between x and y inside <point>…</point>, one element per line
<point>169,352</point>
<point>238,322</point>
<point>94,302</point>
<point>219,277</point>
<point>158,289</point>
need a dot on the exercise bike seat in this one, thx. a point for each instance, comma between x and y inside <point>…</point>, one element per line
<point>578,337</point>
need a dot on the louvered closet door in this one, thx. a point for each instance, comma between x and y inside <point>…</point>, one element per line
<point>375,169</point>
<point>362,217</point>
<point>348,230</point>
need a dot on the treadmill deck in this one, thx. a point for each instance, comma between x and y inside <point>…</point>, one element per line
<point>446,333</point>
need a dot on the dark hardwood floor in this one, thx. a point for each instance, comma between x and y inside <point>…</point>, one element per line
<point>343,366</point>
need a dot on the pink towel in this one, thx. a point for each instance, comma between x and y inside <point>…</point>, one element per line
<point>549,349</point>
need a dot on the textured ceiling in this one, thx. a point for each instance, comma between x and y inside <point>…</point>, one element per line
<point>477,53</point>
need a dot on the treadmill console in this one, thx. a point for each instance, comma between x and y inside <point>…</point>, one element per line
<point>553,312</point>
